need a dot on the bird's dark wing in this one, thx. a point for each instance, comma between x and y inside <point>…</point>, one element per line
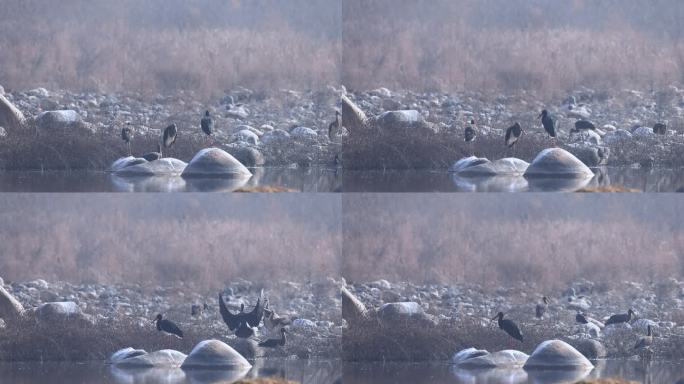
<point>171,327</point>
<point>509,131</point>
<point>270,343</point>
<point>254,317</point>
<point>513,330</point>
<point>231,320</point>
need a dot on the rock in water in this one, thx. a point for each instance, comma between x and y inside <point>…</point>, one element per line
<point>467,354</point>
<point>556,354</point>
<point>167,358</point>
<point>215,162</point>
<point>467,162</point>
<point>503,167</point>
<point>215,354</point>
<point>167,166</point>
<point>10,308</point>
<point>557,163</point>
<point>501,359</point>
<point>248,156</point>
<point>124,162</point>
<point>591,349</point>
<point>125,353</point>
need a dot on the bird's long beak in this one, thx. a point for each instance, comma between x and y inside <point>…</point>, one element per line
<point>494,318</point>
<point>540,115</point>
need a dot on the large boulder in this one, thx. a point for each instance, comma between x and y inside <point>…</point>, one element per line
<point>591,349</point>
<point>467,162</point>
<point>501,359</point>
<point>62,311</point>
<point>215,354</point>
<point>125,353</point>
<point>167,166</point>
<point>245,136</point>
<point>557,163</point>
<point>509,166</point>
<point>66,120</point>
<point>248,348</point>
<point>215,162</point>
<point>617,136</point>
<point>10,308</point>
<point>591,155</point>
<point>404,118</point>
<point>10,116</point>
<point>276,136</point>
<point>403,314</point>
<point>556,355</point>
<point>248,156</point>
<point>167,358</point>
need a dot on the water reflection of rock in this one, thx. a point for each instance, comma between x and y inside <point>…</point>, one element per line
<point>148,184</point>
<point>491,184</point>
<point>558,184</point>
<point>214,184</point>
<point>149,375</point>
<point>215,376</point>
<point>557,376</point>
<point>497,375</point>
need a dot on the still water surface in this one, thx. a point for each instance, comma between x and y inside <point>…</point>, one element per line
<point>302,371</point>
<point>404,373</point>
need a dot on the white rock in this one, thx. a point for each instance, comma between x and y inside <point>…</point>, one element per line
<point>556,354</point>
<point>278,136</point>
<point>246,136</point>
<point>215,162</point>
<point>167,358</point>
<point>501,359</point>
<point>557,163</point>
<point>215,354</point>
<point>166,166</point>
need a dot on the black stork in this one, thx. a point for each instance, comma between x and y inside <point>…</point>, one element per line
<point>207,124</point>
<point>549,124</point>
<point>660,128</point>
<point>127,135</point>
<point>621,318</point>
<point>152,156</point>
<point>170,134</point>
<point>584,125</point>
<point>580,318</point>
<point>513,134</point>
<point>274,343</point>
<point>540,309</point>
<point>470,135</point>
<point>645,341</point>
<point>242,322</point>
<point>334,127</point>
<point>168,327</point>
<point>509,327</point>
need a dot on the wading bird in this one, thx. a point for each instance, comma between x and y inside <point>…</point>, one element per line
<point>584,125</point>
<point>580,318</point>
<point>334,127</point>
<point>540,309</point>
<point>621,318</point>
<point>470,135</point>
<point>170,134</point>
<point>549,124</point>
<point>645,341</point>
<point>513,134</point>
<point>660,128</point>
<point>152,156</point>
<point>274,343</point>
<point>509,327</point>
<point>242,322</point>
<point>168,327</point>
<point>127,135</point>
<point>207,124</point>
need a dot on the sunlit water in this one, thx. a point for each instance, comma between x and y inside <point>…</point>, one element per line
<point>302,371</point>
<point>647,180</point>
<point>298,179</point>
<point>404,373</point>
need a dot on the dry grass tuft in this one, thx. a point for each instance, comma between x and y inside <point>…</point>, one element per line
<point>609,188</point>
